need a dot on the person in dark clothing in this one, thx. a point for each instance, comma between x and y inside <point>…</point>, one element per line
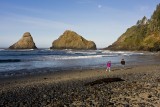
<point>123,62</point>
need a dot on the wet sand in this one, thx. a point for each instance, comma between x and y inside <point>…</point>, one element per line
<point>135,86</point>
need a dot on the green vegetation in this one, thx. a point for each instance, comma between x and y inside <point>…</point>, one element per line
<point>154,25</point>
<point>145,35</point>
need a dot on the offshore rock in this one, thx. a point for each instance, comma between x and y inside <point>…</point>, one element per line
<point>71,40</point>
<point>26,42</point>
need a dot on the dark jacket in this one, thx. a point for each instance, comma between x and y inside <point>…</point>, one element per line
<point>123,62</point>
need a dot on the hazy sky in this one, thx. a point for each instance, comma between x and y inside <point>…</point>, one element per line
<point>101,21</point>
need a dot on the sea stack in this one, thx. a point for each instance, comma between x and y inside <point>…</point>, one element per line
<point>26,42</point>
<point>71,40</point>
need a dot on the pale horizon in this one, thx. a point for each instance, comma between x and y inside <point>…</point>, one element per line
<point>101,21</point>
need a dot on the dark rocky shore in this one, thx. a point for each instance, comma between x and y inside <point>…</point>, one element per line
<point>130,87</point>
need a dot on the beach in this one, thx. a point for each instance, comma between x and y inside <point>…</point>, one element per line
<point>132,86</point>
<point>80,53</point>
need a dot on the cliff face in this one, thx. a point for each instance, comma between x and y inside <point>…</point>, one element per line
<point>145,35</point>
<point>71,40</point>
<point>26,42</point>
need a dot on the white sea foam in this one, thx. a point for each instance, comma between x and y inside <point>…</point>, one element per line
<point>71,57</point>
<point>78,57</point>
<point>22,50</point>
<point>132,53</point>
<point>126,53</point>
<point>82,52</point>
<point>104,53</point>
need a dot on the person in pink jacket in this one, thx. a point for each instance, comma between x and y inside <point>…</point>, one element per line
<point>108,66</point>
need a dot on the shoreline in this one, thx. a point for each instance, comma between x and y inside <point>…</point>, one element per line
<point>64,75</point>
<point>50,70</point>
<point>141,83</point>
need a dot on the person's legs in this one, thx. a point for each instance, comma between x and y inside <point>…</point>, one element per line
<point>109,69</point>
<point>122,66</point>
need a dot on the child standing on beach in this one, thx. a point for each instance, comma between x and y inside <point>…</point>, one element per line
<point>108,66</point>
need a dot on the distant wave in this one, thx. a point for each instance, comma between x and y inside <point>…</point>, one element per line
<point>24,50</point>
<point>82,52</point>
<point>9,60</point>
<point>125,53</point>
<point>2,49</point>
<point>83,57</point>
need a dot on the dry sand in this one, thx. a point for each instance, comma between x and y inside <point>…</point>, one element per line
<point>136,86</point>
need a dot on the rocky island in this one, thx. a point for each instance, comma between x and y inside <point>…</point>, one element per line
<point>26,42</point>
<point>145,35</point>
<point>72,40</point>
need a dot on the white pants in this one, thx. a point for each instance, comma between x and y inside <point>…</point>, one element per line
<point>108,69</point>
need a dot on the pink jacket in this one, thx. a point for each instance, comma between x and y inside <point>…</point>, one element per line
<point>108,64</point>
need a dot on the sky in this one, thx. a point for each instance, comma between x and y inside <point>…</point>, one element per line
<point>101,21</point>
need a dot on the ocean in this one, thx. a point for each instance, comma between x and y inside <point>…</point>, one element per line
<point>14,62</point>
